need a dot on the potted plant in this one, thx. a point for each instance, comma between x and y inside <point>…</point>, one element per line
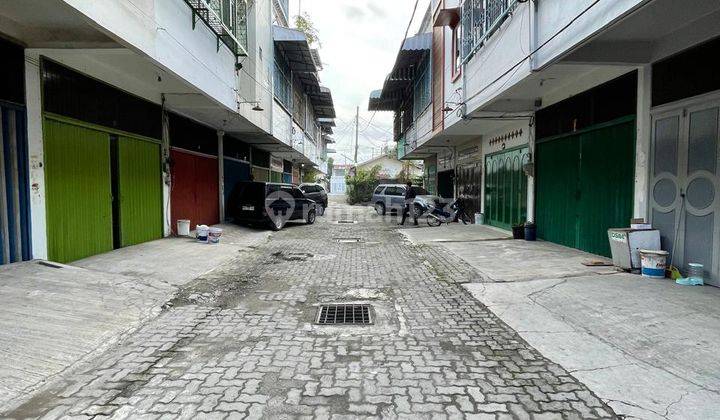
<point>530,231</point>
<point>518,231</point>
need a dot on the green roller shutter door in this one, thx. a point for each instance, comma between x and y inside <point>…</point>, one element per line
<point>557,185</point>
<point>79,205</point>
<point>607,175</point>
<point>506,188</point>
<point>585,185</point>
<point>140,188</point>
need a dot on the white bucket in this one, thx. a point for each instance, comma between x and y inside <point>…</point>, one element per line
<point>201,232</point>
<point>183,227</point>
<point>214,235</point>
<point>479,218</point>
<point>653,263</point>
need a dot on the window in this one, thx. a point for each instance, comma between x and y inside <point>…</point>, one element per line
<point>480,18</point>
<point>298,105</point>
<point>281,81</point>
<point>456,52</point>
<point>296,193</point>
<point>395,191</point>
<point>422,90</point>
<point>379,190</point>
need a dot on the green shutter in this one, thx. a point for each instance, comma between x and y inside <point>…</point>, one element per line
<point>607,173</point>
<point>585,185</point>
<point>557,175</point>
<point>140,188</point>
<point>79,202</point>
<point>506,188</point>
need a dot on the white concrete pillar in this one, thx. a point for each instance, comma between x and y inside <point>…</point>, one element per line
<point>642,143</point>
<point>531,177</point>
<point>33,98</point>
<point>221,175</point>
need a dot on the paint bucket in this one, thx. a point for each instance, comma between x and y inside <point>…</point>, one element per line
<point>653,263</point>
<point>183,227</point>
<point>201,233</point>
<point>479,219</point>
<point>214,235</point>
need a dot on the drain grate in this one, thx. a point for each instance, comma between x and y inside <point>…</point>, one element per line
<point>347,240</point>
<point>346,222</point>
<point>344,314</point>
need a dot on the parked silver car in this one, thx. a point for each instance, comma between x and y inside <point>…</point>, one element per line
<point>391,198</point>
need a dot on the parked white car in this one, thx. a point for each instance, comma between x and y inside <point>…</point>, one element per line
<point>391,198</point>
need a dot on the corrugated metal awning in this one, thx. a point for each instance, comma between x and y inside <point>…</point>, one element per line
<point>294,46</point>
<point>413,51</point>
<point>322,101</point>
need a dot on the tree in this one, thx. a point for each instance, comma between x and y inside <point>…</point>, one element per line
<point>304,24</point>
<point>360,186</point>
<point>310,175</point>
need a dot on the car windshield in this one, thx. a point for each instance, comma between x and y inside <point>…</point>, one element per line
<point>420,191</point>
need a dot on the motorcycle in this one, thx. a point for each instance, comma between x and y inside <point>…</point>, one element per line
<point>439,213</point>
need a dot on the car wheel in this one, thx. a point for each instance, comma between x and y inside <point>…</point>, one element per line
<point>310,217</point>
<point>320,210</point>
<point>380,209</point>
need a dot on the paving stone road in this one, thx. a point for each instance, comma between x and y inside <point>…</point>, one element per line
<point>241,342</point>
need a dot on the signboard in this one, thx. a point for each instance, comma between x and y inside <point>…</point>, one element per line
<point>276,163</point>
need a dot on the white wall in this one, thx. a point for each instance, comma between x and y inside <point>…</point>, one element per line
<point>554,15</point>
<point>282,124</point>
<point>162,30</point>
<point>486,73</point>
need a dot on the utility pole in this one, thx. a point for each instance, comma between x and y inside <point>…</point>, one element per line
<point>357,118</point>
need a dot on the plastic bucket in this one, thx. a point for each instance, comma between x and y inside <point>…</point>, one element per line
<point>479,218</point>
<point>653,263</point>
<point>201,232</point>
<point>214,235</point>
<point>183,227</point>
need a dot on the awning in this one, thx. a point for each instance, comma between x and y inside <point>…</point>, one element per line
<point>413,51</point>
<point>294,46</point>
<point>322,102</point>
<point>326,125</point>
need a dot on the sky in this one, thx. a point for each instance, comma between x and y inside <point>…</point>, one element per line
<point>359,41</point>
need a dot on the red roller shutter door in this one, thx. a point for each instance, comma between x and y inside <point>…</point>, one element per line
<point>194,194</point>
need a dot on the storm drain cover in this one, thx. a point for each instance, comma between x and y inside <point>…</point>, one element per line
<point>344,314</point>
<point>346,222</point>
<point>347,240</point>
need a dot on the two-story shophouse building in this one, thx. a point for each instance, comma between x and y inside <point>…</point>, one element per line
<point>120,117</point>
<point>575,115</point>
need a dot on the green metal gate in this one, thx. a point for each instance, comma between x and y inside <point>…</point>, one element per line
<point>506,188</point>
<point>584,185</point>
<point>140,189</point>
<point>79,205</point>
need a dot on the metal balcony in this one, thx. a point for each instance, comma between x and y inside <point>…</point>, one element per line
<point>225,18</point>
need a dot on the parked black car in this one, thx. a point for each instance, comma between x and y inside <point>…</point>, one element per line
<point>269,203</point>
<point>317,193</point>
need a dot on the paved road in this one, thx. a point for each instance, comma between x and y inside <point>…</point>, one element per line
<point>241,342</point>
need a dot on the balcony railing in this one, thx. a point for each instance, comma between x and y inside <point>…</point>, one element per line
<point>226,18</point>
<point>480,19</point>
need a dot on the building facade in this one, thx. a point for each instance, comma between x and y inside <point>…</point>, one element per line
<point>119,118</point>
<point>574,115</point>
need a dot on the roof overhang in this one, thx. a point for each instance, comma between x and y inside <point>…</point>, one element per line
<point>322,101</point>
<point>294,46</point>
<point>413,50</point>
